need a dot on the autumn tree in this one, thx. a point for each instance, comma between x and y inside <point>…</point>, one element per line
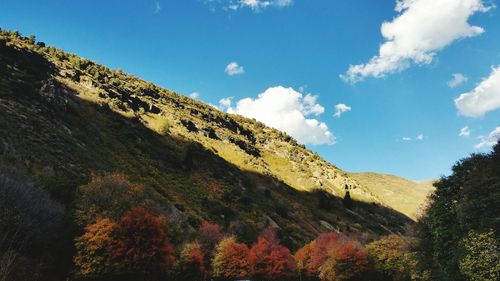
<point>209,235</point>
<point>94,249</point>
<point>268,260</point>
<point>320,251</point>
<point>303,260</point>
<point>192,262</point>
<point>135,246</point>
<point>109,196</point>
<point>231,259</point>
<point>391,256</point>
<point>346,261</point>
<point>141,243</point>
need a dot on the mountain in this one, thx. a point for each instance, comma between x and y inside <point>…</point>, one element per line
<point>405,196</point>
<point>64,118</point>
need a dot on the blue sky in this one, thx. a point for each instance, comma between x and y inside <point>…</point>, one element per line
<point>401,114</point>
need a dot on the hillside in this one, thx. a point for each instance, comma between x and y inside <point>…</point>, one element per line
<point>64,118</point>
<point>405,196</point>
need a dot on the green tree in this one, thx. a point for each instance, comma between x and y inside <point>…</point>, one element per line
<point>482,258</point>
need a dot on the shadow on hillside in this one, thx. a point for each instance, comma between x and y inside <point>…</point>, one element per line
<point>63,139</point>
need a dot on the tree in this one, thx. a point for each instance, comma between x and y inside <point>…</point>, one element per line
<point>209,236</point>
<point>30,221</point>
<point>94,249</point>
<point>109,196</point>
<point>269,260</point>
<point>347,261</point>
<point>192,262</point>
<point>321,250</point>
<point>231,259</point>
<point>390,256</point>
<point>482,256</point>
<point>468,199</point>
<point>136,247</point>
<point>347,200</point>
<point>140,243</point>
<point>303,259</point>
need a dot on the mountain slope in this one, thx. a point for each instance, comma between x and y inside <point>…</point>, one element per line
<point>405,196</point>
<point>64,118</point>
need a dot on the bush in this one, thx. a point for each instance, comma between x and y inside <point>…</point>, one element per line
<point>109,196</point>
<point>30,222</point>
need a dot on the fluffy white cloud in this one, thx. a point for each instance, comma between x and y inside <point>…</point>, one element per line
<point>341,108</point>
<point>485,97</point>
<point>287,110</point>
<point>422,28</point>
<point>457,80</point>
<point>233,68</point>
<point>225,103</point>
<point>490,140</point>
<point>194,95</point>
<point>464,132</point>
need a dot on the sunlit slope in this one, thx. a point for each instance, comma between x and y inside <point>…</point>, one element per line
<point>403,195</point>
<point>64,118</point>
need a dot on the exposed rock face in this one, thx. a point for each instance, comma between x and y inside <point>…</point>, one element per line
<point>53,93</point>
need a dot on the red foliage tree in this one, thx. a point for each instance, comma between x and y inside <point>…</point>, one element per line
<point>269,260</point>
<point>321,250</point>
<point>231,259</point>
<point>140,243</point>
<point>347,261</point>
<point>209,236</point>
<point>192,263</point>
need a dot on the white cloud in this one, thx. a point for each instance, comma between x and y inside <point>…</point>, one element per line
<point>225,103</point>
<point>287,110</point>
<point>457,80</point>
<point>255,5</point>
<point>490,140</point>
<point>485,97</point>
<point>341,108</point>
<point>233,68</point>
<point>194,95</point>
<point>464,132</point>
<point>420,30</point>
<point>157,7</point>
<point>418,137</point>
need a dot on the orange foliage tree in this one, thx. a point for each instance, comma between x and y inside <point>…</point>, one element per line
<point>137,244</point>
<point>231,259</point>
<point>192,262</point>
<point>303,259</point>
<point>269,260</point>
<point>347,261</point>
<point>93,256</point>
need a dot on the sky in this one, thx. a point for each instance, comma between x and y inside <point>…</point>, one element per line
<point>403,87</point>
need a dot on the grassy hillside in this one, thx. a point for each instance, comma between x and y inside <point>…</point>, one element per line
<point>405,196</point>
<point>63,118</point>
